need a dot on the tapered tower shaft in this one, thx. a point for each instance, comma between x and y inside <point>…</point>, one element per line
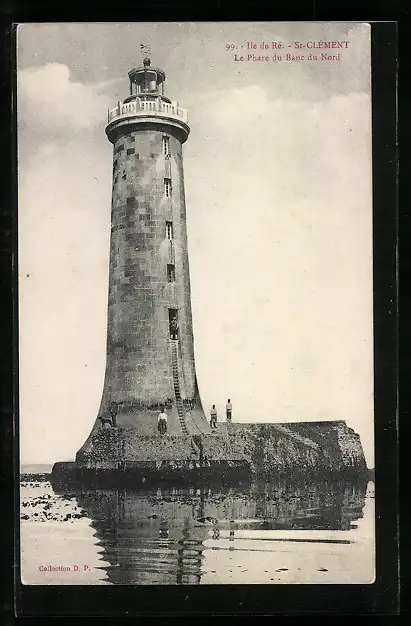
<point>150,346</point>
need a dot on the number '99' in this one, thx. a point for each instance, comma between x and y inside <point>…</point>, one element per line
<point>229,46</point>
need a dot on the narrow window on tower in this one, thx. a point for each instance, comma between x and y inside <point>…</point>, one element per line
<point>166,145</point>
<point>169,231</point>
<point>167,187</point>
<point>171,275</point>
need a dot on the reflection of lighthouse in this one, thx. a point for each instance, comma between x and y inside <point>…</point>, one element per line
<point>190,557</point>
<point>150,346</point>
<point>147,537</point>
<point>159,536</point>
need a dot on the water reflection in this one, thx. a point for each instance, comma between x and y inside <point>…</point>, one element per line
<point>158,535</point>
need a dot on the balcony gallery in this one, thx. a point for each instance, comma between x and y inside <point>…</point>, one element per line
<point>143,107</point>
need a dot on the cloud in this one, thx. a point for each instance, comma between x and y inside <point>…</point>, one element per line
<point>49,101</point>
<point>306,149</point>
<point>238,106</point>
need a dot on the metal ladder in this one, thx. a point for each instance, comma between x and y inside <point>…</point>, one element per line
<point>177,393</point>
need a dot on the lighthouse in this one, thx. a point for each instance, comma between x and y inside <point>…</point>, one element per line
<point>150,346</point>
<point>150,363</point>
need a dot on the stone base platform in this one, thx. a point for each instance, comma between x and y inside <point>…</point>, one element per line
<point>143,474</point>
<point>320,449</point>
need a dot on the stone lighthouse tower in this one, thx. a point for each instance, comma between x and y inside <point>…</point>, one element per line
<point>150,346</point>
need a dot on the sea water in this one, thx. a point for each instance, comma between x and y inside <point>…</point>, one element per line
<point>271,533</point>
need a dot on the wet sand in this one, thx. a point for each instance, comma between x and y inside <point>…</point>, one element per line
<point>160,548</point>
<point>56,532</point>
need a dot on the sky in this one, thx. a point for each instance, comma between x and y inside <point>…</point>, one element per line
<point>279,216</point>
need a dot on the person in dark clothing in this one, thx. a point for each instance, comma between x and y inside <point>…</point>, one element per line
<point>113,413</point>
<point>174,328</point>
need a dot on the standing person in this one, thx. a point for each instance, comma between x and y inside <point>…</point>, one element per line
<point>174,328</point>
<point>229,410</point>
<point>162,422</point>
<point>213,417</point>
<point>113,413</point>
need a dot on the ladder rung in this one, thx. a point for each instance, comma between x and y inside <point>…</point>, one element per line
<point>179,404</point>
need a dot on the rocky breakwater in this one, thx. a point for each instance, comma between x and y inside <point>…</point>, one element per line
<point>328,449</point>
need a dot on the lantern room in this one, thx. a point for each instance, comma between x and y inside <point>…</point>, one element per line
<point>146,80</point>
